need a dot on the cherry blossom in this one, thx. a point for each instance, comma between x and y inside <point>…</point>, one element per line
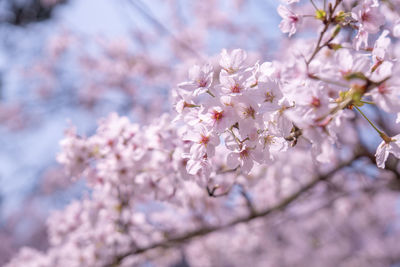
<point>201,80</point>
<point>273,155</point>
<point>391,145</point>
<point>367,13</point>
<point>369,16</point>
<point>290,20</point>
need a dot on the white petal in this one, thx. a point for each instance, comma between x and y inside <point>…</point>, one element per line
<point>232,160</point>
<point>381,155</point>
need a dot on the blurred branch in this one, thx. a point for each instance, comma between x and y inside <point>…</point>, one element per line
<point>248,200</point>
<point>145,11</point>
<point>21,13</point>
<point>263,213</point>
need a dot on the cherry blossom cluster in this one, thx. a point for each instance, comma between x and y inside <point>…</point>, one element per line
<point>141,192</point>
<point>71,71</point>
<point>243,106</point>
<point>125,165</point>
<point>141,195</point>
<point>258,111</point>
<point>365,72</point>
<point>269,157</point>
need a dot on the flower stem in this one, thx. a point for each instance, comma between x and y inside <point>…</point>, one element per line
<point>376,129</point>
<point>367,102</point>
<point>209,92</point>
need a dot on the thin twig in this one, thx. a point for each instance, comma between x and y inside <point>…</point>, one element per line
<point>247,197</point>
<point>142,8</point>
<point>327,23</point>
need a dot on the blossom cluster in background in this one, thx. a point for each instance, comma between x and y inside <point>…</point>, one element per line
<point>282,159</point>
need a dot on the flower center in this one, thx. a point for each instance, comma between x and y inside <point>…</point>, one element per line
<point>366,16</point>
<point>236,88</point>
<point>268,140</point>
<point>382,89</point>
<point>244,153</point>
<point>315,102</point>
<point>248,112</point>
<point>269,97</point>
<point>204,140</point>
<point>202,83</point>
<point>293,19</point>
<point>216,115</point>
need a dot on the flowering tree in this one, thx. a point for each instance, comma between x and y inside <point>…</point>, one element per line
<point>68,73</point>
<point>260,163</point>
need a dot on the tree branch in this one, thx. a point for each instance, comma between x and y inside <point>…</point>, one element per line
<point>263,213</point>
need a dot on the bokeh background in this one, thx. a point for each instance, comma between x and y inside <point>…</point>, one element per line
<point>71,62</point>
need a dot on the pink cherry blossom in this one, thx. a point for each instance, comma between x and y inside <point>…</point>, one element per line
<point>200,80</point>
<point>219,118</point>
<point>385,148</point>
<point>204,141</point>
<point>233,61</point>
<point>290,20</point>
<point>369,16</point>
<point>278,133</point>
<point>381,47</point>
<point>245,159</point>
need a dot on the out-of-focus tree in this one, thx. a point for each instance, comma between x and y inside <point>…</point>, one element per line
<point>53,71</point>
<point>281,152</point>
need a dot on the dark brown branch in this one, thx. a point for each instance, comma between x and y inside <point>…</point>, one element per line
<point>210,229</point>
<point>249,202</point>
<point>211,192</point>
